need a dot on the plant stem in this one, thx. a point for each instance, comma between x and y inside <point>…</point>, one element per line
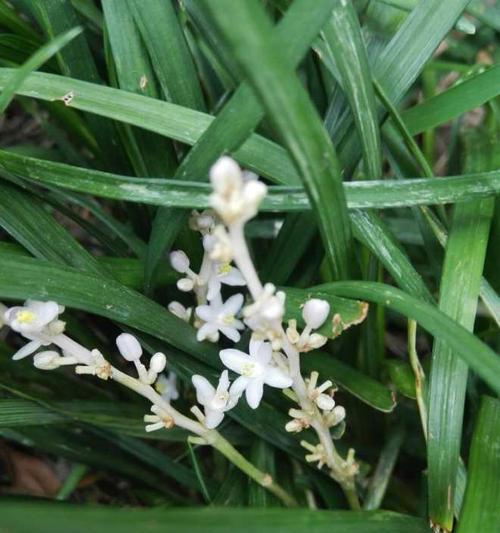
<point>419,374</point>
<point>216,440</point>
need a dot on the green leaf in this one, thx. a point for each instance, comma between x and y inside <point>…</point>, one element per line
<point>480,511</point>
<point>468,94</point>
<point>161,32</point>
<point>360,195</point>
<point>342,36</point>
<point>149,153</point>
<point>30,224</point>
<point>56,16</point>
<point>17,516</point>
<point>34,62</point>
<point>259,53</point>
<point>459,292</point>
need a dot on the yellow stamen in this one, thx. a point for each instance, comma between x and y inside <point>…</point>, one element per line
<point>228,319</point>
<point>224,268</point>
<point>247,369</point>
<point>25,317</point>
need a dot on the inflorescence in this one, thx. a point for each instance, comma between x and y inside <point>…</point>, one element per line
<point>273,354</point>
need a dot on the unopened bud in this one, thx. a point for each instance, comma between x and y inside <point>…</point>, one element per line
<point>158,363</point>
<point>315,312</point>
<point>129,347</point>
<point>179,261</point>
<point>48,360</point>
<point>185,284</point>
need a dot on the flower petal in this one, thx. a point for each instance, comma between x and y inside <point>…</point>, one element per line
<point>254,346</point>
<point>233,278</point>
<point>213,418</point>
<point>213,287</point>
<point>206,313</point>
<point>26,350</point>
<point>223,382</point>
<point>235,360</point>
<point>204,389</point>
<point>230,333</point>
<point>254,392</point>
<point>206,331</point>
<point>233,304</point>
<point>264,353</point>
<point>275,377</point>
<point>237,388</point>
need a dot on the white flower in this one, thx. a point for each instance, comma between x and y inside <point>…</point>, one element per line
<point>255,370</point>
<point>36,321</point>
<point>317,394</point>
<point>218,245</point>
<point>234,199</point>
<point>33,317</point>
<point>179,261</point>
<point>129,347</point>
<point>166,386</point>
<point>215,401</point>
<point>221,272</point>
<point>220,316</point>
<point>264,315</point>
<point>159,420</point>
<point>315,312</point>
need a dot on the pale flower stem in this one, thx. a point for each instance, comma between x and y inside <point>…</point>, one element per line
<point>243,260</point>
<point>69,346</point>
<point>335,462</point>
<point>419,374</point>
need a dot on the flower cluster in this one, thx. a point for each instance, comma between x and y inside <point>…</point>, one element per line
<point>273,354</point>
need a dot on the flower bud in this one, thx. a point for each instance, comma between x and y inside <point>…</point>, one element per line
<point>179,261</point>
<point>337,415</point>
<point>158,363</point>
<point>325,402</point>
<point>129,347</point>
<point>177,309</point>
<point>254,192</point>
<point>315,312</point>
<point>47,360</point>
<point>225,174</point>
<point>185,284</point>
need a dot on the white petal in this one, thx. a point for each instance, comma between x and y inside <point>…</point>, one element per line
<point>45,311</point>
<point>26,350</point>
<point>206,313</point>
<point>233,278</point>
<point>254,392</point>
<point>238,324</point>
<point>264,353</point>
<point>213,418</point>
<point>235,360</point>
<point>213,287</point>
<point>275,377</point>
<point>179,261</point>
<point>233,304</point>
<point>223,382</point>
<point>238,387</point>
<point>254,346</point>
<point>204,390</point>
<point>230,333</point>
<point>207,331</point>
